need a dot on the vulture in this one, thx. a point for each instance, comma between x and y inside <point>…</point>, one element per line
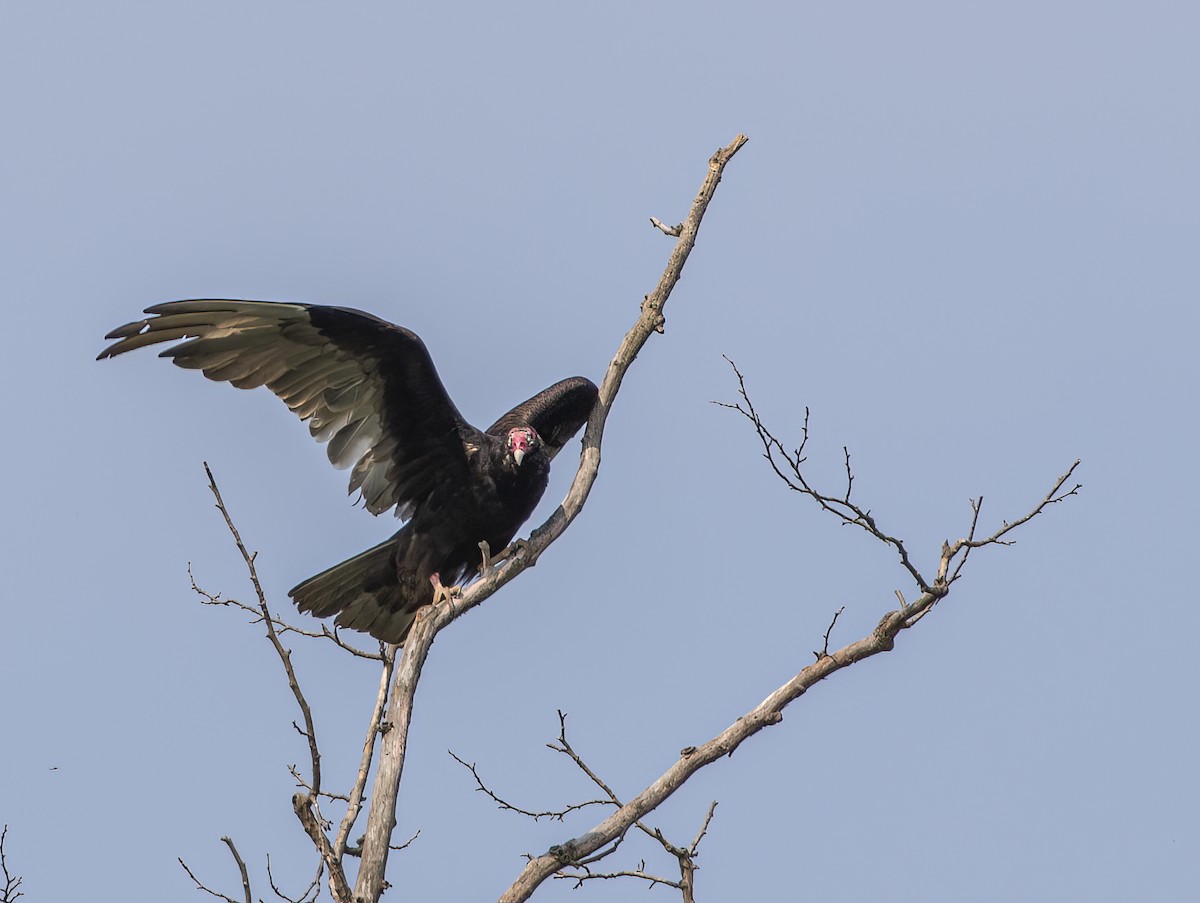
<point>370,390</point>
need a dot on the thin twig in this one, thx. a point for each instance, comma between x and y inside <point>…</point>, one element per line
<point>792,473</point>
<point>404,846</point>
<point>314,887</point>
<point>10,893</point>
<point>281,626</point>
<point>585,874</point>
<point>306,805</point>
<point>563,746</point>
<point>837,614</point>
<point>247,896</point>
<point>694,847</point>
<point>558,814</point>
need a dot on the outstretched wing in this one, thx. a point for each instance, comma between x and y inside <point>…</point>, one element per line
<point>556,413</point>
<point>365,386</point>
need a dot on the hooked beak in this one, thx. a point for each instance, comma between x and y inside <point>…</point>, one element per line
<point>518,455</point>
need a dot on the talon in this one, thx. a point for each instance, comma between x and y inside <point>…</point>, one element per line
<point>486,549</point>
<point>516,546</point>
<point>443,593</point>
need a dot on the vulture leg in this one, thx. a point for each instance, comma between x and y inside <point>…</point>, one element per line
<point>443,593</point>
<point>516,547</point>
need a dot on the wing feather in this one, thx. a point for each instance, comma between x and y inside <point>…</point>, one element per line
<point>367,387</point>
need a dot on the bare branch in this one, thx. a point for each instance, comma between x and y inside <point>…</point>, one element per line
<point>765,714</point>
<point>837,614</point>
<point>976,507</point>
<point>285,655</point>
<point>950,551</point>
<point>563,746</point>
<point>1055,495</point>
<point>694,847</point>
<point>558,814</point>
<point>583,874</point>
<point>404,846</point>
<point>300,782</point>
<point>579,868</point>
<point>788,467</point>
<point>579,872</point>
<point>228,841</point>
<point>281,626</point>
<point>672,231</point>
<point>374,729</point>
<point>305,805</point>
<point>247,896</point>
<point>10,893</point>
<point>310,893</point>
<point>381,819</point>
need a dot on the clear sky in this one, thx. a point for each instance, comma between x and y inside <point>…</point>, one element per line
<point>964,235</point>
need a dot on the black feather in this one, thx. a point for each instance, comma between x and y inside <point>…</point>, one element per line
<point>370,389</point>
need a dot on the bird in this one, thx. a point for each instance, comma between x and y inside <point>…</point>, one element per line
<point>369,389</point>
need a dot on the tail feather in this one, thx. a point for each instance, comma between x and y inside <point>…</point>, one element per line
<point>364,592</point>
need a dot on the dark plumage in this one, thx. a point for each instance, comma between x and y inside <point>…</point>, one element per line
<point>370,390</point>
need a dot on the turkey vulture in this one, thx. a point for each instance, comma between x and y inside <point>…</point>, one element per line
<point>369,389</point>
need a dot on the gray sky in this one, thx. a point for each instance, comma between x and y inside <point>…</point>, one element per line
<point>964,235</point>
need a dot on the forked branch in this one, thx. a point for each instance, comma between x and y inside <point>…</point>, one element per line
<point>307,804</point>
<point>11,891</point>
<point>381,818</point>
<point>580,870</point>
<point>789,467</point>
<point>401,671</point>
<point>247,895</point>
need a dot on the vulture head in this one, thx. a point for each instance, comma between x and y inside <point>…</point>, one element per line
<point>523,440</point>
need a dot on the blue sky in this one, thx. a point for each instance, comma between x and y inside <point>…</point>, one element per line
<point>963,235</point>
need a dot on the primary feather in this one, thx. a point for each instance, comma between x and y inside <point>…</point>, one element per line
<point>370,390</point>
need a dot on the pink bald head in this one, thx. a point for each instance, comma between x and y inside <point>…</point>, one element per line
<point>521,441</point>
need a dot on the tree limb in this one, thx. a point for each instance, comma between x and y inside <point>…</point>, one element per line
<point>10,892</point>
<point>305,805</point>
<point>247,896</point>
<point>558,814</point>
<point>381,818</point>
<point>770,710</point>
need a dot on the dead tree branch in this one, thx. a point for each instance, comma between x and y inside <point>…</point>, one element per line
<point>374,728</point>
<point>306,805</point>
<point>381,819</point>
<point>558,814</point>
<point>11,892</point>
<point>392,714</point>
<point>310,893</point>
<point>580,870</point>
<point>247,896</point>
<point>788,466</point>
<point>685,856</point>
<point>837,614</point>
<point>281,626</point>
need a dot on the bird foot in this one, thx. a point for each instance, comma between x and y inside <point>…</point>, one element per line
<point>516,546</point>
<point>443,593</point>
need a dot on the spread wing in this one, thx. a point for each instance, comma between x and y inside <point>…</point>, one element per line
<point>556,413</point>
<point>365,386</point>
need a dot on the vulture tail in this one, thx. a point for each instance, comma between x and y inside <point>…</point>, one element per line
<point>364,592</point>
